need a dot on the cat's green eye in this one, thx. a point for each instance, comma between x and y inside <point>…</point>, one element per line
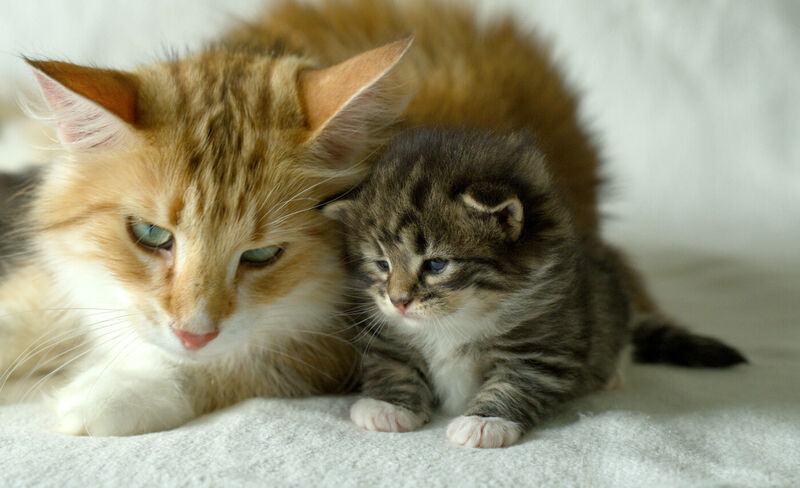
<point>150,236</point>
<point>261,256</point>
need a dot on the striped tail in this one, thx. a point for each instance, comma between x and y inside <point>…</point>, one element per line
<point>657,340</point>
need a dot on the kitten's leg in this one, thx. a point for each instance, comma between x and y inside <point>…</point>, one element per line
<point>399,397</point>
<point>511,400</point>
<point>133,393</point>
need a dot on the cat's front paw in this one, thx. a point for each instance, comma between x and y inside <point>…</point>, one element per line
<point>370,414</point>
<point>116,405</point>
<point>485,432</point>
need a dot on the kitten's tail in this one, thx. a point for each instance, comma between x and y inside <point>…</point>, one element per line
<point>656,339</point>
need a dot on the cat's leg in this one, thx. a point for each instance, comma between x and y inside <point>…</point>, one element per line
<point>399,398</point>
<point>513,398</point>
<point>131,392</point>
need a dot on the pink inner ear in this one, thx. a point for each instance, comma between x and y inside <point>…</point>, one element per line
<point>68,130</point>
<point>91,107</point>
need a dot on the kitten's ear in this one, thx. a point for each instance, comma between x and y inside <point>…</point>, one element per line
<point>347,103</point>
<point>337,209</point>
<point>498,202</point>
<point>92,108</point>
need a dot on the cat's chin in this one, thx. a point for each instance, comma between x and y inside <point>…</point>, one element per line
<point>175,351</point>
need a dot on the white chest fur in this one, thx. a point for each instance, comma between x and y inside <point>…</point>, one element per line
<point>454,361</point>
<point>456,379</point>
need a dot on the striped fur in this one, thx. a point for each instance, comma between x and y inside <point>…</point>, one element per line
<point>216,142</point>
<point>513,325</point>
<point>219,149</point>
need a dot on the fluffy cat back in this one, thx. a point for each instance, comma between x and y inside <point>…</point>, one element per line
<point>492,76</point>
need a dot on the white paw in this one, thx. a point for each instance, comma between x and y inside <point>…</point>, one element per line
<point>370,414</point>
<point>117,405</point>
<point>486,432</point>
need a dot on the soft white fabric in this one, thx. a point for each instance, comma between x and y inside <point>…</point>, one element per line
<point>669,427</point>
<point>697,108</point>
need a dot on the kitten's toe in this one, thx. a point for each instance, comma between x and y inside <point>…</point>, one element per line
<point>377,415</point>
<point>485,432</point>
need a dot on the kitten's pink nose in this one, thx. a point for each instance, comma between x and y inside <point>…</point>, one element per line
<point>195,341</point>
<point>401,303</point>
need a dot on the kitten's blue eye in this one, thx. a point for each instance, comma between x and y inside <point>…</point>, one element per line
<point>152,236</point>
<point>382,265</point>
<point>436,265</point>
<point>261,256</point>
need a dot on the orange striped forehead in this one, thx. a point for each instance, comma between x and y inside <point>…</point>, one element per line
<point>229,136</point>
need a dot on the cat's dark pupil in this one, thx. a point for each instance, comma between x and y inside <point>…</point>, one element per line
<point>435,265</point>
<point>383,265</point>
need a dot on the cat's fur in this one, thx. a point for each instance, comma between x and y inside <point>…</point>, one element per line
<point>527,312</point>
<point>249,131</point>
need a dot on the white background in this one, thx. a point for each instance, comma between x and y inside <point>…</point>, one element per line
<point>695,104</point>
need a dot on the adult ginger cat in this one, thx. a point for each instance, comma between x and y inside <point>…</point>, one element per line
<point>175,264</point>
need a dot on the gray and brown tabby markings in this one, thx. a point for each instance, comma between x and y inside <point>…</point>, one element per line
<point>476,292</point>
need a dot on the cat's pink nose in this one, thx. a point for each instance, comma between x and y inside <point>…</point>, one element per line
<point>195,341</point>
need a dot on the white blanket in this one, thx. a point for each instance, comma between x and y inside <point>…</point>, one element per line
<point>697,109</point>
<point>669,427</point>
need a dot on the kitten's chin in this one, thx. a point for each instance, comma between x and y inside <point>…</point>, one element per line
<point>409,321</point>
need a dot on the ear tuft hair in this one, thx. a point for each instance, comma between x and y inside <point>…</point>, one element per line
<point>91,108</point>
<point>348,103</point>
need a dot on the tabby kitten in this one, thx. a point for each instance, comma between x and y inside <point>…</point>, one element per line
<point>481,295</point>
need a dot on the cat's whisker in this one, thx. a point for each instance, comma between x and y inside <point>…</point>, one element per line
<point>61,367</point>
<point>63,309</point>
<point>311,187</point>
<point>43,340</point>
<point>37,347</point>
<point>104,331</point>
<point>119,343</point>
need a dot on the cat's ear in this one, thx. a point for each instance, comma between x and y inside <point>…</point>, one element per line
<point>337,209</point>
<point>92,108</point>
<point>346,104</point>
<point>497,202</point>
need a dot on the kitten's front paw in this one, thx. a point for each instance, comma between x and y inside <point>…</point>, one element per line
<point>486,432</point>
<point>370,414</point>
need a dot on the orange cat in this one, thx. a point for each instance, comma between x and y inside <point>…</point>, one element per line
<point>178,264</point>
